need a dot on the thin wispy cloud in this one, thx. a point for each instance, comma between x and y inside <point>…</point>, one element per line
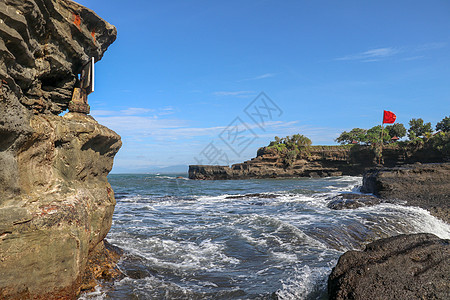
<point>132,111</point>
<point>161,128</point>
<point>405,53</point>
<point>430,46</point>
<point>234,93</point>
<point>413,58</point>
<point>372,54</point>
<point>263,76</point>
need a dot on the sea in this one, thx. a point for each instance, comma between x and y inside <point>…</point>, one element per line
<point>241,239</point>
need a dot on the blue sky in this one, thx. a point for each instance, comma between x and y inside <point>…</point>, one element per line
<point>182,73</point>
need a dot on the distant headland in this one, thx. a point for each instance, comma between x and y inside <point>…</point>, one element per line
<point>360,150</point>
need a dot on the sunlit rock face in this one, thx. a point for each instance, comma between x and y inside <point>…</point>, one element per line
<point>56,204</point>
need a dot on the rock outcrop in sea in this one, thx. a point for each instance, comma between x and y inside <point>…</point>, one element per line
<point>423,185</point>
<point>56,204</point>
<point>317,161</point>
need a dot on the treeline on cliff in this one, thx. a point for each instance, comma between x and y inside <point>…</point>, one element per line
<point>418,133</point>
<point>420,138</point>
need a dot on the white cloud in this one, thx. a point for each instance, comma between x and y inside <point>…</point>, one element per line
<point>430,46</point>
<point>263,76</point>
<point>139,127</point>
<point>132,111</point>
<point>409,52</point>
<point>413,58</point>
<point>372,54</point>
<point>235,93</point>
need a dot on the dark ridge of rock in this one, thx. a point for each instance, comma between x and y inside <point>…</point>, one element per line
<point>56,204</point>
<point>423,185</point>
<point>256,195</point>
<point>404,267</point>
<point>319,161</point>
<point>351,201</point>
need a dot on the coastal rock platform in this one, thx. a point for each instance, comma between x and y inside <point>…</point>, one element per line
<point>423,185</point>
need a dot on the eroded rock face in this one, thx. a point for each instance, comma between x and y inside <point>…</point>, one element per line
<point>43,46</point>
<point>56,204</point>
<point>63,208</point>
<point>415,266</point>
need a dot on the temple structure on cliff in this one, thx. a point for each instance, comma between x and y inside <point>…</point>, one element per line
<point>79,102</point>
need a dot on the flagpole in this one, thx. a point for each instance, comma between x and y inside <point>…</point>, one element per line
<point>382,133</point>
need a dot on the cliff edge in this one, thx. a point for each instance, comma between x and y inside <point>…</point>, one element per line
<point>423,185</point>
<point>56,204</point>
<point>316,161</point>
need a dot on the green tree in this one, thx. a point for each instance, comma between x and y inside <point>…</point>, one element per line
<point>373,135</point>
<point>443,125</point>
<point>296,143</point>
<point>356,134</point>
<point>417,128</point>
<point>441,142</point>
<point>302,141</point>
<point>398,130</point>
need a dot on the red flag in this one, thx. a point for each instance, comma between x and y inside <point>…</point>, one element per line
<point>389,117</point>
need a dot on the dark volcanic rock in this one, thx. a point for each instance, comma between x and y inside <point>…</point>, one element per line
<point>415,266</point>
<point>348,201</point>
<point>256,195</point>
<point>423,185</point>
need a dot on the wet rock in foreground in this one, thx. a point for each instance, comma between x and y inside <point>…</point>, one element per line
<point>256,195</point>
<point>423,185</point>
<point>415,266</point>
<point>350,201</point>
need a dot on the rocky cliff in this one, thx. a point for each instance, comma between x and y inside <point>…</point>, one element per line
<point>423,185</point>
<point>56,204</point>
<point>317,161</point>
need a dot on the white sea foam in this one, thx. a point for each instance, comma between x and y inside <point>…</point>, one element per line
<point>97,294</point>
<point>284,256</point>
<point>303,282</point>
<point>419,219</point>
<point>294,236</point>
<point>183,255</point>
